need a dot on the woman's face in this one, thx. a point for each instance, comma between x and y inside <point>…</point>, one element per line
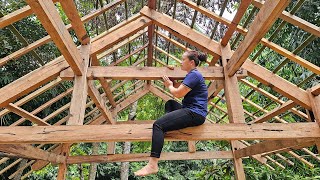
<point>186,64</point>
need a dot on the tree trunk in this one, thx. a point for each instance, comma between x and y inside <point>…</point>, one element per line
<point>126,148</point>
<point>93,167</point>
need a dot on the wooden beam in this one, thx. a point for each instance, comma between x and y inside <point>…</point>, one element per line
<point>146,73</point>
<point>72,13</point>
<point>145,156</point>
<point>234,106</point>
<point>31,81</point>
<point>276,111</point>
<point>269,146</point>
<point>240,12</point>
<point>182,31</point>
<point>100,102</point>
<point>315,90</point>
<point>23,113</point>
<point>267,15</point>
<point>80,91</point>
<point>278,84</point>
<point>142,132</point>
<point>32,152</point>
<point>48,15</point>
<point>119,35</point>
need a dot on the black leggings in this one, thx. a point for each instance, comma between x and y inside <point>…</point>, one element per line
<point>175,118</point>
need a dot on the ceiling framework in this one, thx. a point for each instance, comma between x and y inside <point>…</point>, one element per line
<point>104,85</point>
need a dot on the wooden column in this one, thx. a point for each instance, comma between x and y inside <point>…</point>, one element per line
<point>80,91</point>
<point>63,167</point>
<point>235,108</point>
<point>152,5</point>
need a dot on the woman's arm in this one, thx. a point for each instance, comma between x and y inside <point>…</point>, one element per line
<point>179,91</point>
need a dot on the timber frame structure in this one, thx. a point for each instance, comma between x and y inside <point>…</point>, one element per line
<point>92,111</point>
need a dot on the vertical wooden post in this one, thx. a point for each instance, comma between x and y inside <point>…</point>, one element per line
<point>63,167</point>
<point>235,108</point>
<point>152,5</point>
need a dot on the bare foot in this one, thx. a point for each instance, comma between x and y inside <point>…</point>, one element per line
<point>147,170</point>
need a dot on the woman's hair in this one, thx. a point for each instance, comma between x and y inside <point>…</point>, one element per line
<point>196,56</point>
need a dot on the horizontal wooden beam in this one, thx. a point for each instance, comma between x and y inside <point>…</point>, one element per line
<point>145,156</point>
<point>182,31</point>
<point>142,132</point>
<point>146,73</point>
<point>267,15</point>
<point>32,152</point>
<point>269,146</point>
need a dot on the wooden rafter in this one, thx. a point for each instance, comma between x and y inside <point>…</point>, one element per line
<point>48,15</point>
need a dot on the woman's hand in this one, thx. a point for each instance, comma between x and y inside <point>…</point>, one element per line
<point>167,82</point>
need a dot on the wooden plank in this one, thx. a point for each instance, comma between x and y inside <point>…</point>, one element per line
<point>278,84</point>
<point>267,15</point>
<point>146,73</point>
<point>23,113</point>
<point>119,35</point>
<point>240,12</point>
<point>300,146</point>
<point>234,106</point>
<point>32,152</point>
<point>31,81</point>
<point>276,111</point>
<point>80,91</point>
<point>142,132</point>
<point>294,20</point>
<point>182,31</point>
<point>295,58</point>
<point>50,19</point>
<point>145,156</point>
<point>72,13</point>
<point>100,102</point>
<point>269,146</point>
